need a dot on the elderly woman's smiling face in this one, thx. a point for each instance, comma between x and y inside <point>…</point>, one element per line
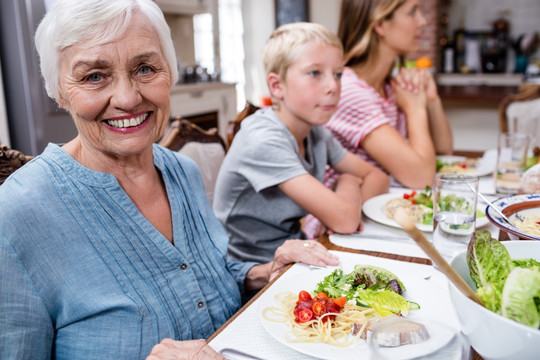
<point>117,93</point>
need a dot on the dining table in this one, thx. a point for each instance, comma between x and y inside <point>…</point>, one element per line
<point>380,243</point>
<point>377,244</point>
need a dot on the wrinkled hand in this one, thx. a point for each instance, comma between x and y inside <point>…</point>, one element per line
<point>169,349</point>
<point>305,251</point>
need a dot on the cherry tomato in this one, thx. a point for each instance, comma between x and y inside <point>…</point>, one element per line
<point>304,295</point>
<point>464,165</point>
<point>320,296</point>
<point>304,315</point>
<point>318,308</point>
<point>340,301</point>
<point>303,304</point>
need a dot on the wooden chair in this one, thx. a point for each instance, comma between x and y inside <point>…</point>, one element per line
<point>11,160</point>
<point>182,131</point>
<point>525,103</point>
<point>234,125</point>
<point>205,147</point>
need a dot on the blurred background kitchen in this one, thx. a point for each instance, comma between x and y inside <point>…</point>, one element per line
<point>481,51</point>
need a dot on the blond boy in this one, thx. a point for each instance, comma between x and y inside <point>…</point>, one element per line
<point>272,175</point>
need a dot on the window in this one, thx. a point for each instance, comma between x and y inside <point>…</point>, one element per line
<point>231,31</point>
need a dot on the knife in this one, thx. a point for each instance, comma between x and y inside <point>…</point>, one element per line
<point>380,236</point>
<point>233,354</point>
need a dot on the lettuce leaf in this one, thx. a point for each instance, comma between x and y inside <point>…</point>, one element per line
<point>366,276</point>
<point>385,302</point>
<point>520,296</point>
<point>336,285</point>
<point>488,260</point>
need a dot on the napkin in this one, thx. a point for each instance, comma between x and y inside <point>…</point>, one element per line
<point>393,245</point>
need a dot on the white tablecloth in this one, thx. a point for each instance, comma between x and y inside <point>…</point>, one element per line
<point>393,239</point>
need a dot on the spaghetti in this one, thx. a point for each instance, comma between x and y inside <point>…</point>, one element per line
<point>334,332</point>
<point>529,226</point>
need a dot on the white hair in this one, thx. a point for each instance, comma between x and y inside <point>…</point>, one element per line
<point>70,22</point>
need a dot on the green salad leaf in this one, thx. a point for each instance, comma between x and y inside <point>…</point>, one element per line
<point>521,291</point>
<point>369,286</point>
<point>506,286</point>
<point>526,263</point>
<point>489,264</point>
<point>336,285</point>
<point>386,302</point>
<point>366,276</point>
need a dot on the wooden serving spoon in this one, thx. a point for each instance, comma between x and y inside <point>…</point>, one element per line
<point>403,219</point>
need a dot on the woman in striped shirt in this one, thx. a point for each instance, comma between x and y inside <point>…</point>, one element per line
<point>394,122</point>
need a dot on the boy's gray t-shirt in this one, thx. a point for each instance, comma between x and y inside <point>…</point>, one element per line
<point>257,215</point>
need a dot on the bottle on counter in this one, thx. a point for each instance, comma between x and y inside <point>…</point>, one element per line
<point>448,58</point>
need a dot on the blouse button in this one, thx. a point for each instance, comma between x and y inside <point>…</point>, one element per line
<point>183,266</point>
<point>200,304</point>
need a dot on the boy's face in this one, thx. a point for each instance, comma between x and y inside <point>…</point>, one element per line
<point>312,86</point>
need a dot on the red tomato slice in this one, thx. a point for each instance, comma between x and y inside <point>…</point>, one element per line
<point>318,308</point>
<point>304,315</point>
<point>304,296</point>
<point>340,301</point>
<point>320,296</point>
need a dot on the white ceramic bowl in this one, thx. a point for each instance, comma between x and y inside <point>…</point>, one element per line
<point>491,335</point>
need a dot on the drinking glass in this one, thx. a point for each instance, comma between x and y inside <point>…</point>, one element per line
<point>512,152</point>
<point>454,212</point>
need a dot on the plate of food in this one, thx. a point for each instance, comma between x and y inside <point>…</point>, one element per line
<point>447,164</point>
<point>418,205</point>
<point>350,329</point>
<point>523,210</point>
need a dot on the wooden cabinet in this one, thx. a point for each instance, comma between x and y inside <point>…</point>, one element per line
<point>200,99</point>
<point>183,7</point>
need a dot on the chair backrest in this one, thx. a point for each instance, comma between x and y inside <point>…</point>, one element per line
<point>234,125</point>
<point>182,131</point>
<point>524,107</point>
<point>11,160</point>
<point>205,147</point>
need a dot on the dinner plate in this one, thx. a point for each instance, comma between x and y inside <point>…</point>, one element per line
<point>482,168</point>
<point>374,209</point>
<point>418,290</point>
<point>524,205</point>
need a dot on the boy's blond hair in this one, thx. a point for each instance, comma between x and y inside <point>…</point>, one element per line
<point>285,44</point>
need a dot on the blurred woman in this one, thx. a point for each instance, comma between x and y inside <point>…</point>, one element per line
<point>108,245</point>
<point>397,123</point>
<point>394,122</point>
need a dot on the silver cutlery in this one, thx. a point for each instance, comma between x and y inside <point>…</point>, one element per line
<point>381,237</point>
<point>233,354</point>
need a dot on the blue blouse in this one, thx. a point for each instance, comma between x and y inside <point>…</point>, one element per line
<point>84,275</point>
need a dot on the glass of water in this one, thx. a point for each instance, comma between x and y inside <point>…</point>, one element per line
<point>512,153</point>
<point>454,212</point>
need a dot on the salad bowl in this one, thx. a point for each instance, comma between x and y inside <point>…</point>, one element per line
<point>490,334</point>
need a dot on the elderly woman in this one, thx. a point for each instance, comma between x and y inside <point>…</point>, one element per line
<point>108,244</point>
